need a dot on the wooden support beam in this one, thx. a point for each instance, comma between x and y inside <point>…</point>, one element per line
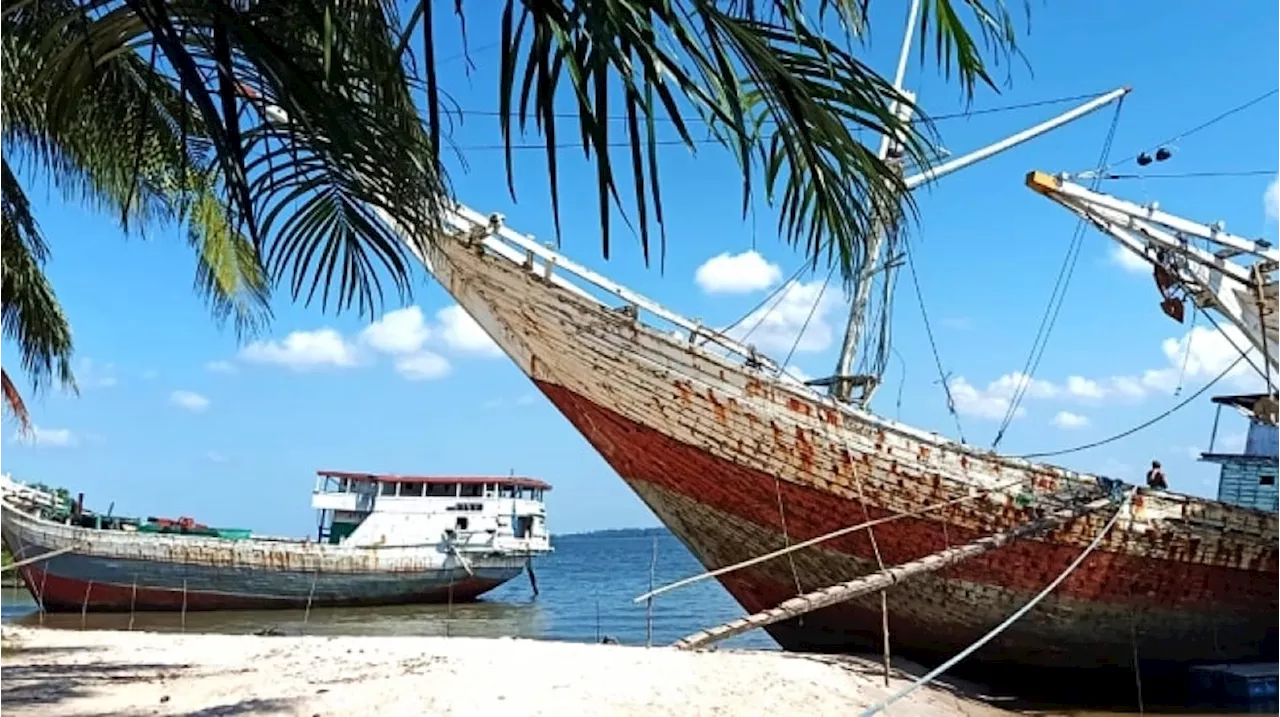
<point>883,579</point>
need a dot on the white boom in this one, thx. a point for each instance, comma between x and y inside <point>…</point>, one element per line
<point>1199,258</point>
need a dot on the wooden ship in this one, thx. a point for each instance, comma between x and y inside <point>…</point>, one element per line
<point>382,540</point>
<point>740,459</point>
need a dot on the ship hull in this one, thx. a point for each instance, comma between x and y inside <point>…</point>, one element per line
<point>738,463</point>
<point>107,571</point>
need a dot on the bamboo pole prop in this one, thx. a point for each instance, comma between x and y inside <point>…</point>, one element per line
<point>84,605</point>
<point>843,592</point>
<point>884,595</point>
<point>44,576</point>
<point>648,610</point>
<point>306,615</point>
<point>133,601</point>
<point>184,604</point>
<point>932,674</point>
<point>38,558</point>
<point>823,538</point>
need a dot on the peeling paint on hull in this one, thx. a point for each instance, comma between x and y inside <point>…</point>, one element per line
<point>722,453</point>
<point>119,571</point>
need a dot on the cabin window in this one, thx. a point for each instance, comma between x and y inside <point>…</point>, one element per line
<point>472,490</point>
<point>506,491</point>
<point>462,523</point>
<point>411,490</point>
<point>1266,480</point>
<point>388,488</point>
<point>442,490</point>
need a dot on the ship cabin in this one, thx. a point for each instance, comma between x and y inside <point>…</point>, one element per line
<point>1248,478</point>
<point>467,513</point>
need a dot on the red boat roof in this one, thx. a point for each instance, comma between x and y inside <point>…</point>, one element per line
<point>393,478</point>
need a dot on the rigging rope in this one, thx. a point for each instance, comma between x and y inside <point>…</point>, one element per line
<point>1140,426</point>
<point>932,674</point>
<point>1056,298</point>
<point>1201,126</point>
<point>812,310</point>
<point>933,345</point>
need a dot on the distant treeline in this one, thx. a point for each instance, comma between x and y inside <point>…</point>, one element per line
<point>617,533</point>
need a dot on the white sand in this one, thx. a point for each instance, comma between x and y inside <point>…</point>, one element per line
<point>69,672</point>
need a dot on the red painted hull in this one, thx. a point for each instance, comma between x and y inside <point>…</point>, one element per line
<point>726,513</point>
<point>738,461</point>
<point>62,594</point>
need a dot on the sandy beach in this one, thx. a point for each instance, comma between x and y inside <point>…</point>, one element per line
<point>72,672</point>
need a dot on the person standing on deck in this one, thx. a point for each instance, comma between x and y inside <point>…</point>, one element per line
<point>1155,477</point>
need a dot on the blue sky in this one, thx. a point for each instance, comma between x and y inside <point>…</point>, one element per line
<point>174,417</point>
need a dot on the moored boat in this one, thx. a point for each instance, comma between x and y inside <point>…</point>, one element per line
<point>382,539</point>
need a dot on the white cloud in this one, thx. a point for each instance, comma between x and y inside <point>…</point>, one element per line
<point>402,331</point>
<point>1122,257</point>
<point>215,457</point>
<point>303,350</point>
<point>422,366</point>
<point>90,374</point>
<point>220,367</point>
<point>973,401</point>
<point>1271,200</point>
<point>1082,387</point>
<point>737,273</point>
<point>50,437</point>
<point>150,374</point>
<point>461,332</point>
<point>1069,420</point>
<point>778,323</point>
<point>189,400</point>
<point>526,399</point>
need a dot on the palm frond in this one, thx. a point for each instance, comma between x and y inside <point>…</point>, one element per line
<point>742,67</point>
<point>29,311</point>
<point>14,403</point>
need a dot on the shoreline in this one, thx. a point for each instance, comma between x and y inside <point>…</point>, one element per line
<point>72,672</point>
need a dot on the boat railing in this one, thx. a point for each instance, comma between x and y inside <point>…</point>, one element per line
<point>551,265</point>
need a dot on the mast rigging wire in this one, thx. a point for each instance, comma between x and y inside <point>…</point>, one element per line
<point>933,345</point>
<point>1201,126</point>
<point>1056,298</point>
<point>1140,426</point>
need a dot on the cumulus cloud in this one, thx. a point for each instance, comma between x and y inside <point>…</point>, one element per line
<point>1197,356</point>
<point>1124,258</point>
<point>461,333</point>
<point>220,367</point>
<point>189,401</point>
<point>402,331</point>
<point>90,374</point>
<point>1271,200</point>
<point>737,273</point>
<point>776,325</point>
<point>48,437</point>
<point>215,457</point>
<point>302,350</point>
<point>1069,420</point>
<point>422,366</point>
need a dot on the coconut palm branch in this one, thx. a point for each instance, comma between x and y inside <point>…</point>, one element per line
<point>787,95</point>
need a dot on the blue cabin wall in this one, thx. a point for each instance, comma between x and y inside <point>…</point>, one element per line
<point>1249,479</point>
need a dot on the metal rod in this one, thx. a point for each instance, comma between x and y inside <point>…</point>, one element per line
<point>961,162</point>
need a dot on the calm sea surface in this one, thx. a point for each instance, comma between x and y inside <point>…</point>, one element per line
<point>586,591</point>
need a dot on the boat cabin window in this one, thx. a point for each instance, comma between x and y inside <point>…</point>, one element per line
<point>1266,480</point>
<point>507,491</point>
<point>389,489</point>
<point>411,490</point>
<point>442,490</point>
<point>472,490</point>
<point>462,523</point>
